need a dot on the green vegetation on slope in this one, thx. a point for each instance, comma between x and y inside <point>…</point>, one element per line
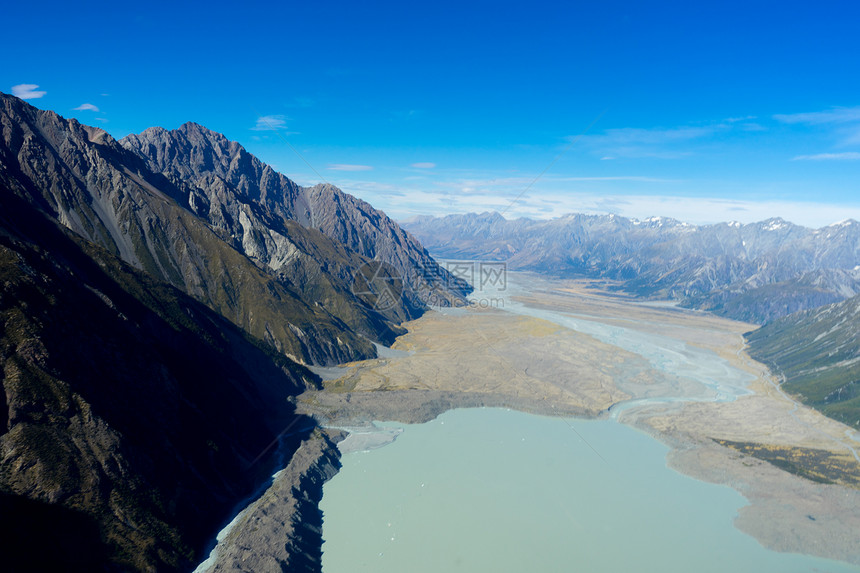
<point>819,466</point>
<point>818,354</point>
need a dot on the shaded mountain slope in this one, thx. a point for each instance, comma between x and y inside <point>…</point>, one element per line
<point>130,411</point>
<point>818,353</point>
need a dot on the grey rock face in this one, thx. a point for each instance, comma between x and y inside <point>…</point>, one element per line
<point>248,202</point>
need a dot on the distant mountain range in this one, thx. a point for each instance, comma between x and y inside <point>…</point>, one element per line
<point>753,272</point>
<point>159,298</point>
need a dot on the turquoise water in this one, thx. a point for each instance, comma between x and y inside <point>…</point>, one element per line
<point>498,490</point>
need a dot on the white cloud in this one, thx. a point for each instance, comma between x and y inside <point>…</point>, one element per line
<point>424,165</point>
<point>554,197</point>
<point>634,142</point>
<point>270,123</point>
<point>842,122</point>
<point>846,156</point>
<point>633,135</point>
<point>27,91</point>
<point>102,119</point>
<point>349,167</point>
<point>834,115</point>
<point>86,107</point>
<point>738,119</point>
<point>695,210</point>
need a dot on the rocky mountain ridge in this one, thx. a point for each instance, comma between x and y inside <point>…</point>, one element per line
<point>287,284</point>
<point>246,200</point>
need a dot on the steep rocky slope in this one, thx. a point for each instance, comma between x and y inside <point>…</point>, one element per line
<point>754,272</point>
<point>282,530</point>
<point>133,417</point>
<point>248,202</point>
<point>818,353</point>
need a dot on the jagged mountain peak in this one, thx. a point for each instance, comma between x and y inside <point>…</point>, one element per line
<point>206,150</point>
<point>491,216</point>
<point>47,121</point>
<point>220,171</point>
<point>844,223</point>
<point>658,222</point>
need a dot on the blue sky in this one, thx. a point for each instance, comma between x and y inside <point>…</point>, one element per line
<point>701,111</point>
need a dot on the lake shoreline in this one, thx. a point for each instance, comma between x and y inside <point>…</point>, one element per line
<point>282,529</point>
<point>502,360</point>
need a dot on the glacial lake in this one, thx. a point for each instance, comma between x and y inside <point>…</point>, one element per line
<point>497,490</point>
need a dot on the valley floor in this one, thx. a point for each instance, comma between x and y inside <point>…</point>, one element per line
<point>797,468</point>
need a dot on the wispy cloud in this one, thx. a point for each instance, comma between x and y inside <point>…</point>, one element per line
<point>660,143</point>
<point>696,210</point>
<point>27,91</point>
<point>349,167</point>
<point>739,119</point>
<point>270,123</point>
<point>636,178</point>
<point>102,119</point>
<point>842,122</point>
<point>657,136</point>
<point>834,115</point>
<point>86,107</point>
<point>424,165</point>
<point>845,156</point>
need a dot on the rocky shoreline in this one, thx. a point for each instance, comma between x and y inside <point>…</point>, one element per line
<point>282,529</point>
<point>419,406</point>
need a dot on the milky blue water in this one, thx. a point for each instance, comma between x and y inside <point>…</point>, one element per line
<point>498,490</point>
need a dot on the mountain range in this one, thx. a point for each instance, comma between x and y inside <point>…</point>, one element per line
<point>752,272</point>
<point>160,297</point>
